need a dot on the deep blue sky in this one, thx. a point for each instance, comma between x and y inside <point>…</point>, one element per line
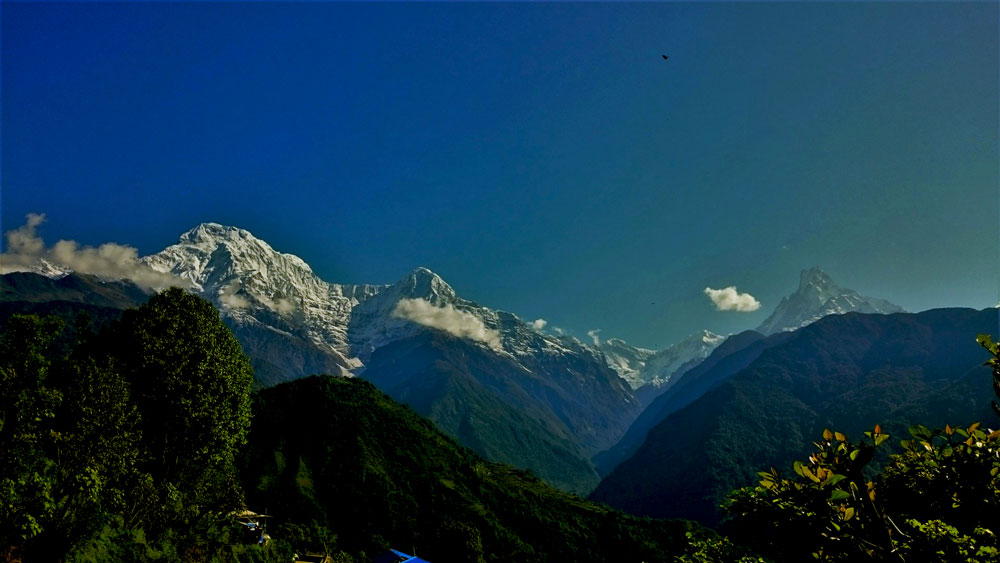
<point>543,158</point>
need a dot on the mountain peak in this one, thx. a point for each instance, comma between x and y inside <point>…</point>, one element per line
<point>703,335</point>
<point>425,284</point>
<point>817,278</point>
<point>816,297</point>
<point>206,232</point>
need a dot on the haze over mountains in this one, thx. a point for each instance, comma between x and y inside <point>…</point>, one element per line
<point>500,385</point>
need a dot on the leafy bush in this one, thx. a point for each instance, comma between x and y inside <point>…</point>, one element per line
<point>936,500</point>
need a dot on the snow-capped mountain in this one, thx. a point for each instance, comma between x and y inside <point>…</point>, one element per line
<point>655,370</point>
<point>817,297</point>
<point>487,377</point>
<point>661,368</point>
<point>255,285</point>
<point>625,359</point>
<point>292,324</point>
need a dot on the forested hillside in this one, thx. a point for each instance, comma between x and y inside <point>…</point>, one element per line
<point>847,372</point>
<point>129,443</point>
<point>338,455</point>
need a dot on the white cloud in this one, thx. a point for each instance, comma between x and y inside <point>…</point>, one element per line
<point>539,324</point>
<point>728,299</point>
<point>23,240</point>
<point>559,330</point>
<point>109,260</point>
<point>447,318</point>
<point>228,297</point>
<point>283,305</point>
<point>593,334</point>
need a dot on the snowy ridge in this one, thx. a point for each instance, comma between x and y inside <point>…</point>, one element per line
<point>664,365</point>
<point>256,286</point>
<point>641,367</point>
<point>816,297</point>
<point>252,283</point>
<point>625,359</point>
<point>373,323</point>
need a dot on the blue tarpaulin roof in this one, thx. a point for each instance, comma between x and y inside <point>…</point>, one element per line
<point>393,556</point>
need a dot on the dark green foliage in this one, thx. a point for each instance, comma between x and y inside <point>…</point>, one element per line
<point>938,500</point>
<point>69,439</point>
<point>191,381</point>
<point>337,454</point>
<point>66,298</point>
<point>87,465</point>
<point>28,475</point>
<point>119,446</point>
<point>986,341</point>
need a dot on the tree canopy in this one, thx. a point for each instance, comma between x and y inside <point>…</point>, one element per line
<point>131,430</point>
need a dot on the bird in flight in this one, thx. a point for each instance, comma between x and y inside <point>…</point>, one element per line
<point>665,57</point>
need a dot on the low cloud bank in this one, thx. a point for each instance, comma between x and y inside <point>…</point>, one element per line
<point>539,324</point>
<point>728,299</point>
<point>25,250</point>
<point>448,319</point>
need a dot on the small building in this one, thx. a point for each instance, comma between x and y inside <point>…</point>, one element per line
<point>254,526</point>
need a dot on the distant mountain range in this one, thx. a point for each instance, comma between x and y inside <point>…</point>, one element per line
<point>761,401</point>
<point>651,373</point>
<point>508,391</point>
<point>668,380</point>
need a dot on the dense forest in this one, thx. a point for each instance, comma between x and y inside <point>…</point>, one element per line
<point>130,443</point>
<point>135,440</point>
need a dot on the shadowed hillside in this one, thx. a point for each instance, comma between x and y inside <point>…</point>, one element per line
<point>846,371</point>
<point>341,454</point>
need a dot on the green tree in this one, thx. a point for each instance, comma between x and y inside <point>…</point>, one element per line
<point>986,341</point>
<point>96,442</point>
<point>27,409</point>
<point>191,380</point>
<point>68,440</point>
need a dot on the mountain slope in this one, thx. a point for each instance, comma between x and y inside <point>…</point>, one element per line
<point>816,297</point>
<point>625,359</point>
<point>664,368</point>
<point>338,454</point>
<point>557,395</point>
<point>482,401</point>
<point>66,296</point>
<point>77,288</point>
<point>734,354</point>
<point>847,372</point>
<point>567,381</point>
<point>257,288</point>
